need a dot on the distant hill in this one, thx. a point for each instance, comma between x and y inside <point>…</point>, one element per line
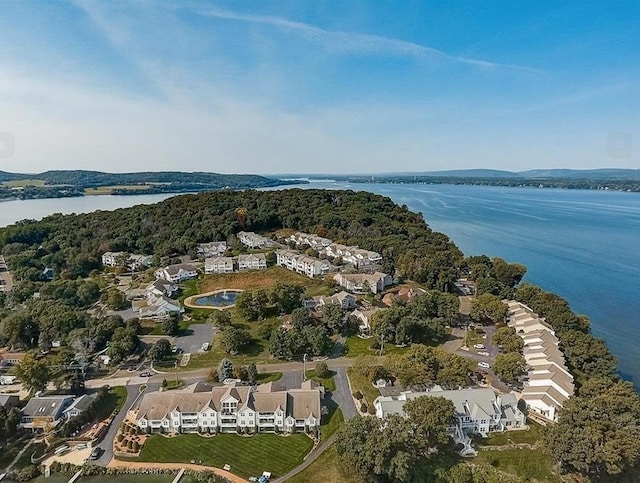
<point>602,173</point>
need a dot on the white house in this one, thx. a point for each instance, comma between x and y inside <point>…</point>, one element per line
<point>231,408</point>
<point>549,383</point>
<point>177,273</point>
<point>344,299</point>
<point>354,255</point>
<point>477,410</point>
<point>253,261</point>
<point>363,282</point>
<point>294,261</point>
<point>316,242</point>
<point>156,307</point>
<point>161,288</point>
<point>364,316</point>
<point>253,240</point>
<point>218,265</point>
<point>132,261</point>
<point>211,249</point>
<point>113,259</point>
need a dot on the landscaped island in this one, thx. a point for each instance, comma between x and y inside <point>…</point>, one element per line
<point>439,348</point>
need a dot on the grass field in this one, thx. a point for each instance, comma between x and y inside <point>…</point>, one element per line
<point>21,183</point>
<point>362,384</point>
<point>115,399</point>
<point>107,190</point>
<point>323,469</point>
<point>532,436</point>
<point>527,464</point>
<point>333,421</point>
<point>328,382</point>
<point>248,456</point>
<point>355,346</point>
<point>263,279</point>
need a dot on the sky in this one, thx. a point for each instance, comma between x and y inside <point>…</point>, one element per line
<point>300,86</point>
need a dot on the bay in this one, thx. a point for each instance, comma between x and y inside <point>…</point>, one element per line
<point>580,244</point>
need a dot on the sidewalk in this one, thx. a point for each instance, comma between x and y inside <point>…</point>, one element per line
<point>176,466</point>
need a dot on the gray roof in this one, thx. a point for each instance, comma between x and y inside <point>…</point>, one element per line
<point>7,400</point>
<point>81,403</point>
<point>46,406</point>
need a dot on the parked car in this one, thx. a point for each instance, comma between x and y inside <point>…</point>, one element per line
<point>484,365</point>
<point>478,346</point>
<point>95,453</point>
<point>483,353</point>
<point>146,374</point>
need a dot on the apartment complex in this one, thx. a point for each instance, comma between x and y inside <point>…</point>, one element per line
<point>549,383</point>
<point>211,249</point>
<point>253,240</point>
<point>309,266</point>
<point>231,408</point>
<point>363,282</point>
<point>349,254</point>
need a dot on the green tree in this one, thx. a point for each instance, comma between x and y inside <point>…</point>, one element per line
<point>116,300</point>
<point>160,350</point>
<point>287,297</point>
<point>233,340</point>
<point>252,373</point>
<point>334,318</point>
<point>507,339</point>
<point>598,431</point>
<point>170,325</point>
<point>510,367</point>
<point>488,308</point>
<point>322,370</point>
<point>33,373</point>
<point>221,319</point>
<point>431,416</point>
<point>225,370</point>
<point>123,343</point>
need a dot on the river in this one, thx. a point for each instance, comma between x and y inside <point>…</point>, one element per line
<point>579,244</point>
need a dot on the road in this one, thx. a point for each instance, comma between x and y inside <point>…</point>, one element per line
<point>342,395</point>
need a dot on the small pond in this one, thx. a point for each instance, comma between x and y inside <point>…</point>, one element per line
<point>221,298</point>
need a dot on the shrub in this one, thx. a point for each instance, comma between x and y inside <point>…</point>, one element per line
<point>363,407</point>
<point>375,345</point>
<point>357,395</point>
<point>29,473</point>
<point>135,447</point>
<point>322,371</point>
<point>119,437</point>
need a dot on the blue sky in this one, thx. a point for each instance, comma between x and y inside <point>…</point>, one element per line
<point>319,86</point>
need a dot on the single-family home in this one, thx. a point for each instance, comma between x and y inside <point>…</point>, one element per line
<point>253,261</point>
<point>231,408</point>
<point>156,307</point>
<point>8,401</point>
<point>177,273</point>
<point>218,265</point>
<point>161,287</point>
<point>363,282</point>
<point>364,316</point>
<point>137,262</point>
<point>477,410</point>
<point>211,249</point>
<point>344,299</point>
<point>78,406</point>
<point>403,295</point>
<point>47,273</point>
<point>45,412</point>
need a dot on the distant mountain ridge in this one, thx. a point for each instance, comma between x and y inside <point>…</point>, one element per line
<point>600,173</point>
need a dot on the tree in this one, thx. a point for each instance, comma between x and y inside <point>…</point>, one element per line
<point>333,316</point>
<point>432,416</point>
<point>170,325</point>
<point>123,343</point>
<point>241,372</point>
<point>321,370</point>
<point>221,319</point>
<point>287,297</point>
<point>507,339</point>
<point>233,340</point>
<point>301,318</point>
<point>252,304</point>
<point>510,367</point>
<point>225,370</point>
<point>598,431</point>
<point>34,373</point>
<point>488,308</point>
<point>252,373</point>
<point>116,300</point>
<point>160,350</point>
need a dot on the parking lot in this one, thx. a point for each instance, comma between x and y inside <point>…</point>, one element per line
<point>199,334</point>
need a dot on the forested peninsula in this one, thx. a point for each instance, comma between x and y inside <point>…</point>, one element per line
<point>72,183</point>
<point>597,434</point>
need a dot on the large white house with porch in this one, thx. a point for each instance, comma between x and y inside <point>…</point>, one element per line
<point>230,409</point>
<point>296,262</point>
<point>177,273</point>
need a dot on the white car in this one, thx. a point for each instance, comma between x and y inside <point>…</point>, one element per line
<point>484,365</point>
<point>478,346</point>
<point>483,353</point>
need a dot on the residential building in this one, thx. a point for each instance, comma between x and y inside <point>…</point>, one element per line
<point>218,265</point>
<point>132,261</point>
<point>211,249</point>
<point>156,307</point>
<point>477,410</point>
<point>363,282</point>
<point>45,412</point>
<point>364,316</point>
<point>344,299</point>
<point>316,242</point>
<point>404,295</point>
<point>113,259</point>
<point>253,261</point>
<point>138,262</point>
<point>253,240</point>
<point>549,383</point>
<point>309,266</point>
<point>353,255</point>
<point>78,406</point>
<point>8,401</point>
<point>177,273</point>
<point>47,273</point>
<point>231,409</point>
<point>161,287</point>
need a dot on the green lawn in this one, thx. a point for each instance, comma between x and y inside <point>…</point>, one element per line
<point>248,456</point>
<point>21,183</point>
<point>527,464</point>
<point>328,382</point>
<point>265,377</point>
<point>362,384</point>
<point>8,452</point>
<point>115,399</point>
<point>330,423</point>
<point>324,469</point>
<point>355,346</point>
<point>532,436</point>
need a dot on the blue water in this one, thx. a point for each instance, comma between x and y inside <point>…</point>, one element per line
<point>221,299</point>
<point>582,245</point>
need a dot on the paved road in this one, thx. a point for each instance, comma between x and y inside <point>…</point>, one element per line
<point>199,334</point>
<point>107,442</point>
<point>342,395</point>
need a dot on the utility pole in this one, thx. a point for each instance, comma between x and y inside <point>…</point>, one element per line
<point>304,367</point>
<point>175,365</point>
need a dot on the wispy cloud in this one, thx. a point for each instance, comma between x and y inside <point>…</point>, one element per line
<point>359,43</point>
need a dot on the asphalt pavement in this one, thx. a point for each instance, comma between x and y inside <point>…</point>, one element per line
<point>199,334</point>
